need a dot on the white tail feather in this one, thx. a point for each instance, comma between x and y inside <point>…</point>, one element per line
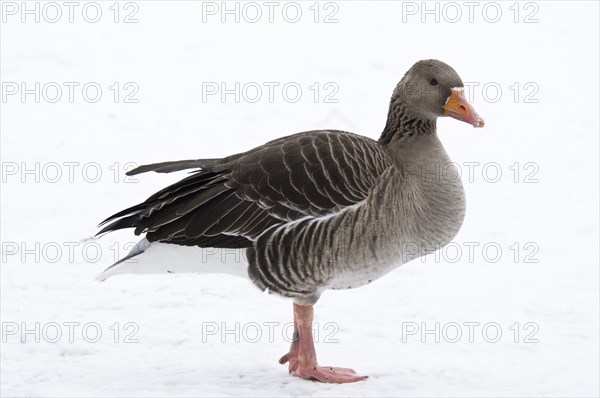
<point>159,258</point>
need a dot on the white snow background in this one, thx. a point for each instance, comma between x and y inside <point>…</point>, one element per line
<point>217,335</point>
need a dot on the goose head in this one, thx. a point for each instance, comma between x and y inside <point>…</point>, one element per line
<point>432,89</point>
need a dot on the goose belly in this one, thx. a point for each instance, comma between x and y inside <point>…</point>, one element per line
<point>398,240</point>
<point>356,274</point>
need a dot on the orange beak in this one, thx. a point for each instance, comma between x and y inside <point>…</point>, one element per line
<point>459,108</point>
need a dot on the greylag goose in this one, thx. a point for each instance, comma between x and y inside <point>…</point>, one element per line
<point>320,209</point>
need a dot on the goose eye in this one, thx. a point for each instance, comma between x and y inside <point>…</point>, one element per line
<point>433,82</point>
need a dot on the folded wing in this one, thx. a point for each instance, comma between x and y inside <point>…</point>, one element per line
<point>229,202</point>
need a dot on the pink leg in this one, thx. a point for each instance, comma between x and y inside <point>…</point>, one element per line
<point>302,355</point>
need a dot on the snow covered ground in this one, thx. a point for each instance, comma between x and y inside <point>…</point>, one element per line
<point>509,309</point>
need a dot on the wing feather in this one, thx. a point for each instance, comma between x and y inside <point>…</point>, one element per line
<point>230,202</point>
